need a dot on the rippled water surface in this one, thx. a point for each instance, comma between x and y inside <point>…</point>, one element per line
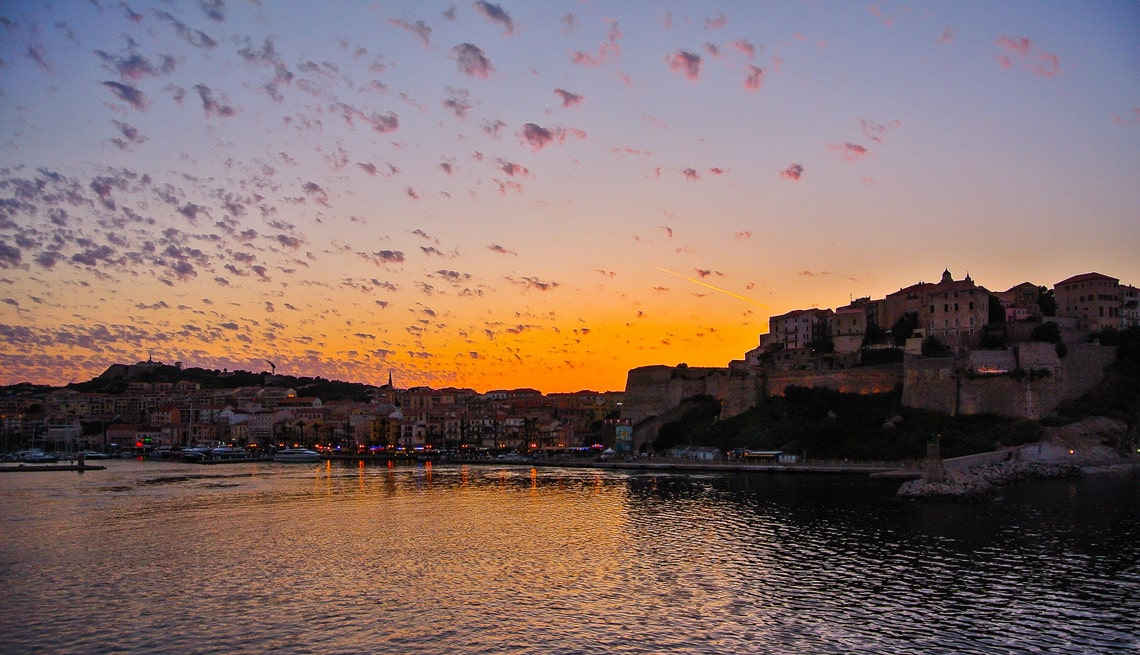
<point>147,557</point>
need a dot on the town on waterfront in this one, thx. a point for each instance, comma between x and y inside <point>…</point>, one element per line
<point>944,356</point>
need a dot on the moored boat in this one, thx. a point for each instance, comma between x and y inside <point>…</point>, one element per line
<point>296,455</point>
<point>35,456</point>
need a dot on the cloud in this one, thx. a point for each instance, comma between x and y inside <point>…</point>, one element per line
<point>745,46</point>
<point>793,172</point>
<point>1022,49</point>
<point>539,137</point>
<point>691,174</point>
<point>419,28</point>
<point>472,60</point>
<point>568,99</point>
<point>755,78</point>
<point>381,123</point>
<point>37,54</point>
<point>10,256</point>
<point>1121,120</point>
<point>716,22</point>
<point>947,35</point>
<point>128,94</point>
<point>607,50</point>
<point>195,38</point>
<point>130,135</point>
<point>386,257</point>
<point>686,63</point>
<point>743,234</point>
<point>512,169</point>
<point>215,10</point>
<point>134,66</point>
<point>210,105</point>
<point>492,128</point>
<point>314,191</point>
<point>849,151</point>
<point>494,247</point>
<point>876,131</point>
<point>807,273</point>
<point>534,283</point>
<point>496,14</point>
<point>457,102</point>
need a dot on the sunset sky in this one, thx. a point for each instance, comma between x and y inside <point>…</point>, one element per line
<point>536,194</point>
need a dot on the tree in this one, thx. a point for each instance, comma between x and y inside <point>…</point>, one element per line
<point>1047,332</point>
<point>1046,301</point>
<point>933,347</point>
<point>997,312</point>
<point>904,327</point>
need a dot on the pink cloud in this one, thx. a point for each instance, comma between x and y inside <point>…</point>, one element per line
<point>876,131</point>
<point>716,22</point>
<point>607,50</point>
<point>849,151</point>
<point>419,28</point>
<point>755,78</point>
<point>539,137</point>
<point>496,14</point>
<point>569,99</point>
<point>745,46</point>
<point>1121,120</point>
<point>793,172</point>
<point>716,170</point>
<point>1041,63</point>
<point>691,174</point>
<point>472,60</point>
<point>947,35</point>
<point>743,234</point>
<point>686,63</point>
<point>512,169</point>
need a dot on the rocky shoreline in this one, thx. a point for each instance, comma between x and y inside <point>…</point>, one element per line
<point>1069,451</point>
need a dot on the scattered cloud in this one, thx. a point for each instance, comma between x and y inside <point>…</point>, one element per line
<point>419,28</point>
<point>686,63</point>
<point>1012,49</point>
<point>568,99</point>
<point>793,172</point>
<point>849,151</point>
<point>876,131</point>
<point>472,60</point>
<point>496,14</point>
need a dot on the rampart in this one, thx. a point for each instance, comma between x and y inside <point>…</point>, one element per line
<point>1033,391</point>
<point>863,380</point>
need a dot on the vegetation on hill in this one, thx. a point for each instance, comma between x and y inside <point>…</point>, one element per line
<point>826,424</point>
<point>116,379</point>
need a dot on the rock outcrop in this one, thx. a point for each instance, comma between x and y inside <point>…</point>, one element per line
<point>1072,450</point>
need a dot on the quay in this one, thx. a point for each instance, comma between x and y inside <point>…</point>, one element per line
<point>33,468</point>
<point>884,470</point>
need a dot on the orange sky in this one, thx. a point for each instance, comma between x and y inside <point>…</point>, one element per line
<point>536,195</point>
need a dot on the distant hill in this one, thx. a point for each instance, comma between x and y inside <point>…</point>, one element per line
<point>115,379</point>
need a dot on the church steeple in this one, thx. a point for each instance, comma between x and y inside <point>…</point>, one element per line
<point>390,379</point>
<point>946,277</point>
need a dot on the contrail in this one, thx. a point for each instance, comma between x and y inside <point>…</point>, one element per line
<point>709,286</point>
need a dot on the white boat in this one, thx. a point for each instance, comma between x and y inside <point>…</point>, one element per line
<point>296,455</point>
<point>35,456</point>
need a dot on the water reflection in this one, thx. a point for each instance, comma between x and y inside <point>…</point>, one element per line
<point>337,557</point>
